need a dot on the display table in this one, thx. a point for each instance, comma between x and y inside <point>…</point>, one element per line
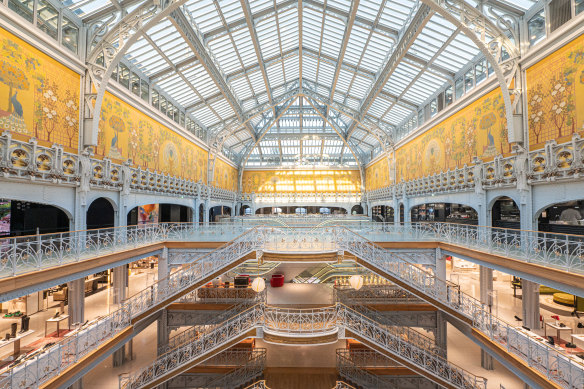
<point>578,340</point>
<point>15,341</point>
<point>557,328</point>
<point>57,320</point>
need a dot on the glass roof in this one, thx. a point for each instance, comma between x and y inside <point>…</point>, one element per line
<point>256,56</point>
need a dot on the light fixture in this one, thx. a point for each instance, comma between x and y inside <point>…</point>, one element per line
<point>356,282</point>
<point>258,285</point>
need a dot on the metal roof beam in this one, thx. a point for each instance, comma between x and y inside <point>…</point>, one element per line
<point>161,73</point>
<point>348,28</point>
<point>401,48</point>
<point>193,39</point>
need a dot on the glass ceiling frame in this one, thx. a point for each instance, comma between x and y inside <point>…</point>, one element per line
<point>223,61</point>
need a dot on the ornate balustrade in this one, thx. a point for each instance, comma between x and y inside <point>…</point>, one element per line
<point>554,365</point>
<point>352,371</point>
<point>71,349</point>
<point>249,365</point>
<point>52,165</point>
<point>258,385</point>
<point>304,322</point>
<point>374,294</point>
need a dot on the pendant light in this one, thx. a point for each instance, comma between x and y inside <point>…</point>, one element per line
<point>258,284</point>
<point>356,282</point>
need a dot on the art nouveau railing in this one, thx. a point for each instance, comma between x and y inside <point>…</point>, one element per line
<point>554,365</point>
<point>20,255</point>
<point>191,333</point>
<point>375,294</point>
<point>204,344</point>
<point>561,251</point>
<point>304,322</point>
<point>258,385</point>
<point>247,366</point>
<point>71,349</point>
<point>352,371</point>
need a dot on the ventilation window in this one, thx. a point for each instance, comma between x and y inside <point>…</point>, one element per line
<point>560,13</point>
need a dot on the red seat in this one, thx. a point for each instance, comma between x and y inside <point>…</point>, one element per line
<point>277,280</point>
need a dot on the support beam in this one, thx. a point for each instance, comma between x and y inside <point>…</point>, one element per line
<point>486,293</point>
<point>348,28</point>
<point>191,37</point>
<point>530,304</point>
<point>412,31</point>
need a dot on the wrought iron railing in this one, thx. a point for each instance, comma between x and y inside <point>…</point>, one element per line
<point>343,385</point>
<point>71,349</point>
<point>375,294</point>
<point>20,255</point>
<point>352,371</point>
<point>553,364</point>
<point>258,385</point>
<point>304,322</point>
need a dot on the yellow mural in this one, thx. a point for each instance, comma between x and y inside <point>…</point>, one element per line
<point>301,181</point>
<point>480,130</point>
<point>39,97</point>
<point>225,176</point>
<point>555,95</point>
<point>377,175</point>
<point>125,132</point>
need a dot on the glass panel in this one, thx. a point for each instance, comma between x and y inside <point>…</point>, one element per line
<point>144,90</point>
<point>135,82</point>
<point>579,6</point>
<point>448,96</point>
<point>433,107</point>
<point>420,117</point>
<point>22,7</point>
<point>47,19</point>
<point>459,88</point>
<point>124,75</point>
<point>70,34</point>
<point>469,80</point>
<point>163,104</point>
<point>182,119</point>
<point>155,98</point>
<point>169,110</point>
<point>481,71</point>
<point>536,27</point>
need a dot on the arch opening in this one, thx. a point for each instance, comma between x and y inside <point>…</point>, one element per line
<point>505,213</point>
<point>100,214</point>
<point>19,218</point>
<point>445,212</point>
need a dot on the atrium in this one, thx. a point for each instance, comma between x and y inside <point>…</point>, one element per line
<point>291,194</point>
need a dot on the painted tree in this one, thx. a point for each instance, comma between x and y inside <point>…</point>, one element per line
<point>71,115</point>
<point>536,118</point>
<point>559,101</point>
<point>50,119</point>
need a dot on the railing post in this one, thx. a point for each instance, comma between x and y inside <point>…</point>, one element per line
<point>14,256</point>
<point>38,249</point>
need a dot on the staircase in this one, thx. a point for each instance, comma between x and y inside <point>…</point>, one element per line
<point>417,355</point>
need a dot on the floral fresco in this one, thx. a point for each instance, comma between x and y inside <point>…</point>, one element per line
<point>125,132</point>
<point>39,97</point>
<point>377,175</point>
<point>225,176</point>
<point>478,130</point>
<point>555,95</point>
<point>301,181</point>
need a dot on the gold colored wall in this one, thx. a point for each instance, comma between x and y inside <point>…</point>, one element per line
<point>555,95</point>
<point>377,175</point>
<point>39,97</point>
<point>225,176</point>
<point>479,129</point>
<point>125,132</point>
<point>301,181</point>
